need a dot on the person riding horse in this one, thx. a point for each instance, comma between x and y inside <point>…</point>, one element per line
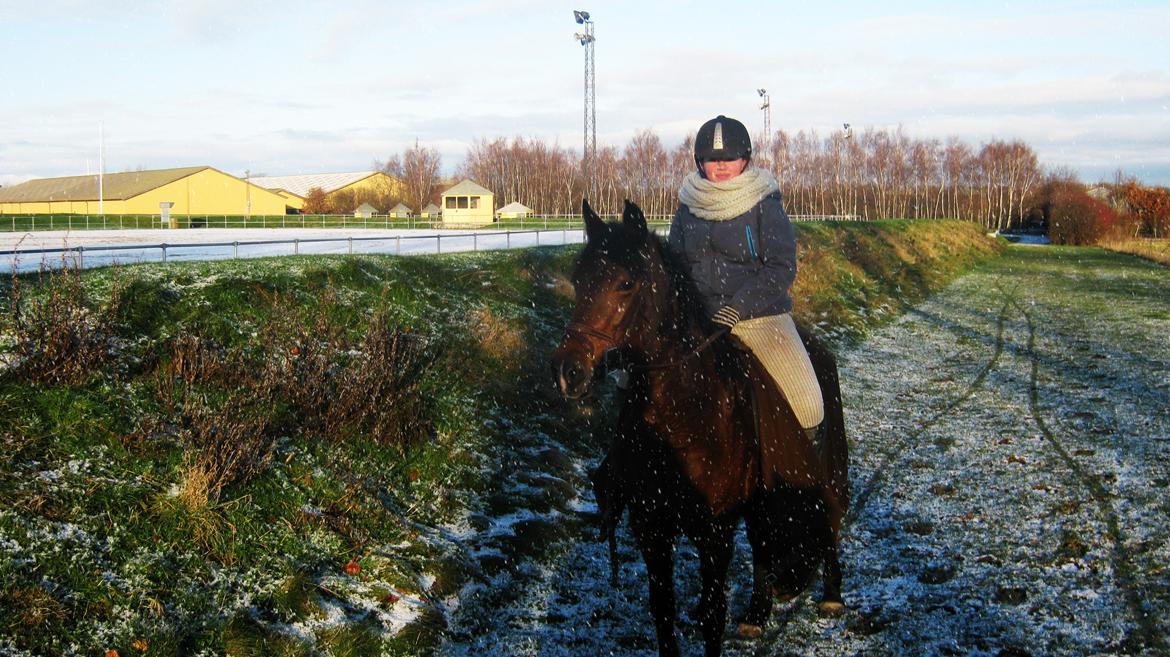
<point>737,241</point>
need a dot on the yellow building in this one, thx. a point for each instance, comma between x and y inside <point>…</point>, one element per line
<point>468,204</point>
<point>514,210</point>
<point>191,190</point>
<point>361,186</point>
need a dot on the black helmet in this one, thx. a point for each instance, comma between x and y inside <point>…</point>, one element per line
<point>722,138</point>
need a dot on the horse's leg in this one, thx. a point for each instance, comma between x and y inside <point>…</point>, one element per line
<point>657,552</point>
<point>831,602</point>
<point>751,625</point>
<point>715,550</point>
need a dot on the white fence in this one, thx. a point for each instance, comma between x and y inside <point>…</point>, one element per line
<point>77,222</point>
<point>403,243</point>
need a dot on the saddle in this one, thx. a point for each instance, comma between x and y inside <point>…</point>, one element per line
<point>786,453</point>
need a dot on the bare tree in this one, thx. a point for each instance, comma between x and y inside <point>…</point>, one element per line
<point>420,175</point>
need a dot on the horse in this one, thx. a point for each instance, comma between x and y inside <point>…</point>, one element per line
<point>704,438</point>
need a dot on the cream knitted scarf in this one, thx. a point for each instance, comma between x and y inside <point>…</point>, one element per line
<point>720,201</point>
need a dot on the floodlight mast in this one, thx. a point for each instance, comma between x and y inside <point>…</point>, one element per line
<point>767,107</point>
<point>589,150</point>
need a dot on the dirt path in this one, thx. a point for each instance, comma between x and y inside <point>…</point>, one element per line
<point>1010,471</point>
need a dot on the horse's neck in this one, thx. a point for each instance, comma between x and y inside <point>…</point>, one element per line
<point>674,334</point>
<point>684,372</point>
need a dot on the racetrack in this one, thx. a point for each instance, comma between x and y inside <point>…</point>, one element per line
<point>1010,441</point>
<point>30,252</point>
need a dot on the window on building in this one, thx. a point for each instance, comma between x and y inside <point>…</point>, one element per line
<point>450,202</point>
<point>462,202</point>
<point>474,202</point>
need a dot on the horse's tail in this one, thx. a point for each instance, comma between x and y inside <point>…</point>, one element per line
<point>836,445</point>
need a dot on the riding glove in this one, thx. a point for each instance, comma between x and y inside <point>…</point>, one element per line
<point>726,316</point>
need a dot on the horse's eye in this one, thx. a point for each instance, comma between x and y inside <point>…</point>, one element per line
<point>626,285</point>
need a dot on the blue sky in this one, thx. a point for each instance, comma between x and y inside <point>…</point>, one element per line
<point>298,87</point>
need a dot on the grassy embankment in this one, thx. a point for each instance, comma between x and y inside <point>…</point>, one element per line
<point>279,456</point>
<point>1150,249</point>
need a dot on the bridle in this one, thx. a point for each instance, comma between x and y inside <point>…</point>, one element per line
<point>582,332</point>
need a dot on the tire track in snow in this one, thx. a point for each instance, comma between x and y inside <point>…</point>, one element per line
<point>1122,563</point>
<point>877,478</point>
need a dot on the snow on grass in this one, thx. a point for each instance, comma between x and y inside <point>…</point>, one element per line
<point>985,513</point>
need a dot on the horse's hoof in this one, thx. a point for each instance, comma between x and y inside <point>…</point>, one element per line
<point>830,608</point>
<point>749,631</point>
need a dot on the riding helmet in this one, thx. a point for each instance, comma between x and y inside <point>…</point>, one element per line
<point>722,138</point>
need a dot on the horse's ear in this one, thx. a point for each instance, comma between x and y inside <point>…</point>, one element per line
<point>633,218</point>
<point>593,223</point>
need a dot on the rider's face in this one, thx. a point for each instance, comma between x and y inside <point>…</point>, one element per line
<point>720,170</point>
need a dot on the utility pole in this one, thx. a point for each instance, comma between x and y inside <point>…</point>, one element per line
<point>101,167</point>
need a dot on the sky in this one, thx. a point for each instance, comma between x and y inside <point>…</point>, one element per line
<point>280,88</point>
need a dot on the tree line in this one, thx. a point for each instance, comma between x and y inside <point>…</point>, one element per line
<point>866,174</point>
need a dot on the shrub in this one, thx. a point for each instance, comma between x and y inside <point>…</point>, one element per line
<point>55,337</point>
<point>339,387</point>
<point>1077,218</point>
<point>227,406</point>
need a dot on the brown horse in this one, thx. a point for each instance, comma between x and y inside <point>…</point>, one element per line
<point>704,437</point>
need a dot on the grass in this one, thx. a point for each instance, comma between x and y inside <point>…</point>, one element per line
<point>852,275</point>
<point>1157,250</point>
<point>265,457</point>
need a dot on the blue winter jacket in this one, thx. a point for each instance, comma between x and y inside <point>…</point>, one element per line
<point>748,262</point>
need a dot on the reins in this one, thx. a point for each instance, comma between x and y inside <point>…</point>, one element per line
<point>580,331</point>
<point>720,332</point>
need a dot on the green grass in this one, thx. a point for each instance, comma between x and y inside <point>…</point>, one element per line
<point>101,549</point>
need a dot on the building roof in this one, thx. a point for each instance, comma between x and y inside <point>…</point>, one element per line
<point>367,206</point>
<point>300,185</point>
<point>467,187</point>
<point>431,208</point>
<point>115,186</point>
<point>401,207</point>
<point>515,206</point>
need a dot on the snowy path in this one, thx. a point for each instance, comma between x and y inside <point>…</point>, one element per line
<point>1011,441</point>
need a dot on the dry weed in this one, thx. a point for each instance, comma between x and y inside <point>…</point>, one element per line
<point>223,447</point>
<point>498,337</point>
<point>55,337</point>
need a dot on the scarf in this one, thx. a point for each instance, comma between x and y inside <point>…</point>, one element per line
<point>720,201</point>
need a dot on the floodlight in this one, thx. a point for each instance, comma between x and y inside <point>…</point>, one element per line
<point>580,16</point>
<point>761,91</point>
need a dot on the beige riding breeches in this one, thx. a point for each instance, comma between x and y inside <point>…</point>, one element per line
<point>776,343</point>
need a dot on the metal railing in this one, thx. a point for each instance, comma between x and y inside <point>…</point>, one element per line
<point>77,222</point>
<point>825,217</point>
<point>18,261</point>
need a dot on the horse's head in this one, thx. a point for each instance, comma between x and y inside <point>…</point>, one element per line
<point>612,280</point>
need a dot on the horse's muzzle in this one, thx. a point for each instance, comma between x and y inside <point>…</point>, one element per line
<point>573,375</point>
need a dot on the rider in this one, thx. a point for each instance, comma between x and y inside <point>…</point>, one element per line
<point>735,237</point>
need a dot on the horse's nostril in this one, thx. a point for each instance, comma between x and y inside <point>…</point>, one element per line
<point>573,377</point>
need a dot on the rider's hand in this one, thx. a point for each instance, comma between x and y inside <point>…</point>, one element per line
<point>726,316</point>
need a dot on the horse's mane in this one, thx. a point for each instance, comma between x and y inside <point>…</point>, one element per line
<point>730,361</point>
<point>683,284</point>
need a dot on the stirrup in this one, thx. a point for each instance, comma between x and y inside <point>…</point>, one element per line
<point>813,435</point>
